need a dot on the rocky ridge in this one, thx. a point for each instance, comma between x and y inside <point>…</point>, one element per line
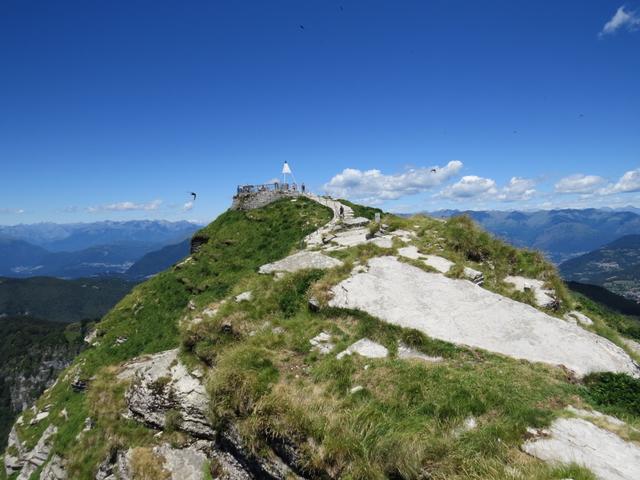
<point>164,393</point>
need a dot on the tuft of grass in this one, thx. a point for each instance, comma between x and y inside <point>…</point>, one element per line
<point>146,465</point>
<point>617,392</point>
<point>243,375</point>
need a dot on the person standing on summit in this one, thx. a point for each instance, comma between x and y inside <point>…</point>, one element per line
<point>341,211</point>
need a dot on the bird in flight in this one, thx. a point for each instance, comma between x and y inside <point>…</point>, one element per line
<point>433,170</point>
<point>301,27</point>
<point>194,195</point>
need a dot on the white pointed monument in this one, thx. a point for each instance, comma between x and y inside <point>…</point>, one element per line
<point>286,169</point>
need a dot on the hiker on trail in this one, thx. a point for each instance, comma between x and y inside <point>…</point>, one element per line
<point>341,211</point>
<point>303,188</point>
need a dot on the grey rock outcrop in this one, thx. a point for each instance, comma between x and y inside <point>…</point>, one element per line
<point>543,297</point>
<point>38,455</point>
<point>54,469</point>
<point>14,462</point>
<point>162,384</point>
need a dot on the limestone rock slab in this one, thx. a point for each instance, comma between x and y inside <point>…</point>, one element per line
<point>366,348</point>
<point>575,440</point>
<point>439,263</point>
<point>301,261</point>
<point>457,311</point>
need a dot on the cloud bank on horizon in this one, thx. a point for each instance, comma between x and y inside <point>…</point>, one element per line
<point>444,187</point>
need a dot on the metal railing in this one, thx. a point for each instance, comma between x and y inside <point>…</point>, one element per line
<point>267,187</point>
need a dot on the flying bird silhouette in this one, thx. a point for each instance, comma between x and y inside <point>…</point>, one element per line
<point>433,170</point>
<point>301,27</point>
<point>194,195</point>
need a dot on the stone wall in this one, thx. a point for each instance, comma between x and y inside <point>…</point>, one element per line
<point>249,201</point>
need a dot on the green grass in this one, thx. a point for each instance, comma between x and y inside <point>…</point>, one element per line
<point>615,392</point>
<point>405,421</point>
<point>238,243</point>
<point>408,419</point>
<point>361,210</point>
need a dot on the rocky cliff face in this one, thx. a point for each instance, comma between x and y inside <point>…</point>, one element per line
<point>299,343</point>
<point>33,354</point>
<point>26,386</point>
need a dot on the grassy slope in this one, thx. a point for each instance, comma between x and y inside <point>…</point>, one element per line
<point>148,317</point>
<point>409,416</point>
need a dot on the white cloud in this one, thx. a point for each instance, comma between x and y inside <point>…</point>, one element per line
<point>621,19</point>
<point>126,207</point>
<point>518,189</point>
<point>372,186</point>
<point>579,183</point>
<point>11,211</point>
<point>629,182</point>
<point>187,206</point>
<point>471,186</point>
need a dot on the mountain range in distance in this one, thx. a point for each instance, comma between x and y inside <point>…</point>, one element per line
<point>92,249</point>
<point>560,234</point>
<point>614,266</point>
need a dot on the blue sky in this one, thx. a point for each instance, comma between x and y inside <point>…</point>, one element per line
<point>118,109</point>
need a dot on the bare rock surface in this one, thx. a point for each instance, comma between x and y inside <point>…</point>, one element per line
<point>351,237</point>
<point>366,348</point>
<point>385,241</point>
<point>301,261</point>
<point>317,238</point>
<point>475,276</point>
<point>322,343</point>
<point>434,261</point>
<point>543,297</point>
<point>14,462</point>
<point>161,383</point>
<point>575,316</point>
<point>408,353</point>
<point>459,312</point>
<point>183,463</point>
<point>595,415</point>
<point>244,297</point>
<point>410,252</point>
<point>357,222</point>
<point>39,455</point>
<point>575,440</point>
<point>439,263</point>
<point>54,469</point>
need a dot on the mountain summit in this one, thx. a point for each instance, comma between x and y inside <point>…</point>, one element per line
<point>305,339</point>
